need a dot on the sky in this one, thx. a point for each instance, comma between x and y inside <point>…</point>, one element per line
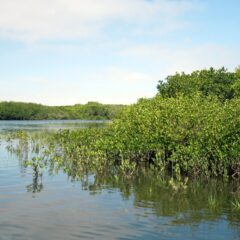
<point>62,52</point>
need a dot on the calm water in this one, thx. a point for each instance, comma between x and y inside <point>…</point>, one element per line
<point>30,125</point>
<point>56,206</point>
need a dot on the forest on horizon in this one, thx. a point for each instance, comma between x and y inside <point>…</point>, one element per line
<point>32,111</point>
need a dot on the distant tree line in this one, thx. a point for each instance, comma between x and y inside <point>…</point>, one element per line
<point>32,111</point>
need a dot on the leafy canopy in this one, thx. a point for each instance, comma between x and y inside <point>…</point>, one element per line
<point>218,82</point>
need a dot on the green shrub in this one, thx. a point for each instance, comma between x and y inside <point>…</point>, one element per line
<point>216,82</point>
<point>186,135</point>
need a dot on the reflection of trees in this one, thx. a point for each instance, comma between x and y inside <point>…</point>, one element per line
<point>20,148</point>
<point>36,186</point>
<point>25,148</point>
<point>149,189</point>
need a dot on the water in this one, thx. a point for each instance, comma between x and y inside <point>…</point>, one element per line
<point>38,125</point>
<point>57,206</point>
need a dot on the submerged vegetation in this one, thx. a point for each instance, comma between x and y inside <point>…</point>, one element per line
<point>31,111</point>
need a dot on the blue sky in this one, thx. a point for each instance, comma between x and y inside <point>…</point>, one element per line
<point>61,52</point>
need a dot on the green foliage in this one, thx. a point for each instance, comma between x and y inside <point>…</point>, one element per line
<point>208,82</point>
<point>186,135</point>
<point>191,128</point>
<point>178,184</point>
<point>212,202</point>
<point>127,167</point>
<point>236,85</point>
<point>236,204</point>
<point>237,71</point>
<point>31,111</point>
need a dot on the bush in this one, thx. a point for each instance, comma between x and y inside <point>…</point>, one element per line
<point>216,82</point>
<point>187,134</point>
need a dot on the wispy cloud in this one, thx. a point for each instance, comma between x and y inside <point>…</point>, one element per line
<point>112,51</point>
<point>107,85</point>
<point>29,20</point>
<point>170,58</point>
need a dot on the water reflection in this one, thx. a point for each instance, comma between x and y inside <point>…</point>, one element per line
<point>72,202</point>
<point>36,186</point>
<point>50,125</point>
<point>206,199</point>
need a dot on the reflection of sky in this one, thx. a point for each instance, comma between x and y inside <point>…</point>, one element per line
<point>47,124</point>
<point>63,210</point>
<point>112,52</point>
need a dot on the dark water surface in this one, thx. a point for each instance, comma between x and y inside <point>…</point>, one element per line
<point>55,206</point>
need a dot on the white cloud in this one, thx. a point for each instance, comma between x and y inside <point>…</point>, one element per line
<point>121,60</point>
<point>169,58</point>
<point>114,84</point>
<point>109,85</point>
<point>123,76</point>
<point>33,20</point>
